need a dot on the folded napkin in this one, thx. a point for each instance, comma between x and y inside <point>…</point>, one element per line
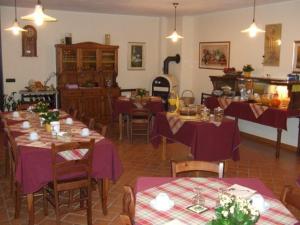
<point>175,122</point>
<point>224,102</point>
<point>138,105</point>
<point>74,154</point>
<point>258,110</point>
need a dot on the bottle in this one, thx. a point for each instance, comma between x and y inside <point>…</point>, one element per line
<point>172,99</point>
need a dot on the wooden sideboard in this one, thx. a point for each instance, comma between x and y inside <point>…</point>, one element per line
<point>258,84</point>
<point>86,78</point>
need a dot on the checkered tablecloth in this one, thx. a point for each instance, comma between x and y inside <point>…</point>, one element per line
<point>257,110</point>
<point>181,192</point>
<point>174,121</point>
<point>224,102</point>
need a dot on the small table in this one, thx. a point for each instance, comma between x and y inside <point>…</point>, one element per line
<point>272,117</point>
<point>34,168</point>
<point>180,190</point>
<point>207,141</point>
<point>124,106</point>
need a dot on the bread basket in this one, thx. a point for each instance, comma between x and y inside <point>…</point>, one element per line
<point>187,100</point>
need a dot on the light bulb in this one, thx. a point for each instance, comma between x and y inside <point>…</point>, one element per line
<point>15,28</point>
<point>174,36</point>
<point>38,16</point>
<point>253,30</point>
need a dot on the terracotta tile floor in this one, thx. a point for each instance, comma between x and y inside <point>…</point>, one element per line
<point>140,159</point>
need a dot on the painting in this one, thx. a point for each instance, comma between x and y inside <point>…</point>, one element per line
<point>272,45</point>
<point>214,55</point>
<point>296,60</point>
<point>136,56</point>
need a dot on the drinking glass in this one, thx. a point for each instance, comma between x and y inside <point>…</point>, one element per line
<point>198,198</point>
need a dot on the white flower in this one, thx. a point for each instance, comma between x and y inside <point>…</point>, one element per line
<point>225,213</point>
<point>231,209</point>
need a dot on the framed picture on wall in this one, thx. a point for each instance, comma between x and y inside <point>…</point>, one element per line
<point>136,56</point>
<point>214,55</point>
<point>296,57</point>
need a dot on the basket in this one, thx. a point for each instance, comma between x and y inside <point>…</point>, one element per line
<point>187,100</point>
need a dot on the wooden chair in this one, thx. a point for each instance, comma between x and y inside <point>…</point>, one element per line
<point>204,96</point>
<point>93,125</point>
<point>68,176</point>
<point>139,123</point>
<point>290,198</point>
<point>73,112</point>
<point>128,204</point>
<point>5,143</point>
<point>125,220</point>
<point>190,166</point>
<point>13,159</point>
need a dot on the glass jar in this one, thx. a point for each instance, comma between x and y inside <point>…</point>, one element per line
<point>205,114</point>
<point>219,114</point>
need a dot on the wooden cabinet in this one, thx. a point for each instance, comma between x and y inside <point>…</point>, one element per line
<point>91,69</point>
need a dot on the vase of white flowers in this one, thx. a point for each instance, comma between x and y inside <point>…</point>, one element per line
<point>233,210</point>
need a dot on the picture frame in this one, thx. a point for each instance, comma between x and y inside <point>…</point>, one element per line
<point>136,56</point>
<point>214,55</point>
<point>272,44</point>
<point>296,57</point>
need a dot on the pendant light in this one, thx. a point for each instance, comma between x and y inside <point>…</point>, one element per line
<point>15,28</point>
<point>253,29</point>
<point>174,36</point>
<point>38,16</point>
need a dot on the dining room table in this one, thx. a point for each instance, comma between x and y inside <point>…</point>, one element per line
<point>123,105</point>
<point>182,190</point>
<point>34,167</point>
<point>208,140</point>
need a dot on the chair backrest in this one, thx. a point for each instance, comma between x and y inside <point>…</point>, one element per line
<point>129,202</point>
<point>193,165</point>
<point>140,113</point>
<point>68,168</point>
<point>73,112</point>
<point>90,122</point>
<point>204,96</point>
<point>125,220</point>
<point>102,128</point>
<point>290,198</point>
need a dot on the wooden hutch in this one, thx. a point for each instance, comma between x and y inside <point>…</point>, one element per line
<point>86,76</point>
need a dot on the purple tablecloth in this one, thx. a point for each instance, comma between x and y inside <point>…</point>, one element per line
<point>144,183</point>
<point>34,165</point>
<point>271,117</point>
<point>207,141</point>
<point>121,106</point>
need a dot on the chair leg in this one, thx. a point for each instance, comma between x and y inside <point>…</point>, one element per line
<point>17,200</point>
<point>89,207</point>
<point>131,141</point>
<point>7,162</point>
<point>57,208</point>
<point>81,194</point>
<point>11,179</point>
<point>45,202</point>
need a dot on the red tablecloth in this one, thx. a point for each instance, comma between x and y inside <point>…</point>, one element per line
<point>121,106</point>
<point>34,168</point>
<point>271,117</point>
<point>207,141</point>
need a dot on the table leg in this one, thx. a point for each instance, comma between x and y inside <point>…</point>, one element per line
<point>164,148</point>
<point>278,142</point>
<point>120,126</point>
<point>30,208</point>
<point>103,191</point>
<point>298,147</point>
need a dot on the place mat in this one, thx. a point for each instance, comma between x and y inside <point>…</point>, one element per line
<point>74,154</point>
<point>257,109</point>
<point>224,102</point>
<point>181,192</point>
<point>174,121</point>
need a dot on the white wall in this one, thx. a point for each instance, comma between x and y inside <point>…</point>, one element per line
<point>226,26</point>
<point>84,27</point>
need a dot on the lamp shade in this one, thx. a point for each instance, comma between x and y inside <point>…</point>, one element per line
<point>174,36</point>
<point>15,28</point>
<point>253,30</point>
<point>38,16</point>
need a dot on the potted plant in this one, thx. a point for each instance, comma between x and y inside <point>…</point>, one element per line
<point>247,70</point>
<point>48,117</point>
<point>11,101</point>
<point>41,107</point>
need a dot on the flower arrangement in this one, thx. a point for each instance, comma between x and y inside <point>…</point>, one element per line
<point>141,92</point>
<point>50,116</point>
<point>41,107</point>
<point>233,210</point>
<point>248,68</point>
